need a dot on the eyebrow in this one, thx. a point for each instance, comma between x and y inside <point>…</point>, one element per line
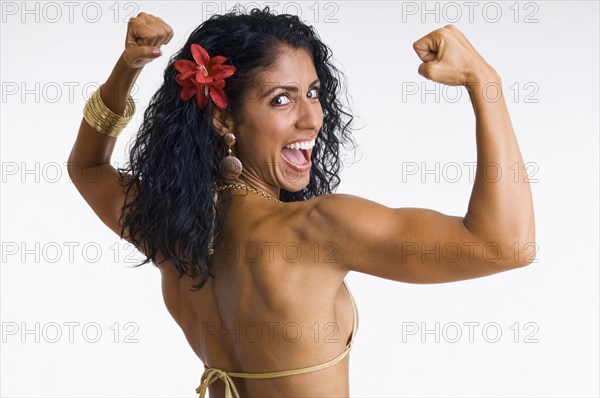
<point>288,88</point>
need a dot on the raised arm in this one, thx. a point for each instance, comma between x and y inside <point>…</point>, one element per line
<point>425,246</point>
<point>89,161</point>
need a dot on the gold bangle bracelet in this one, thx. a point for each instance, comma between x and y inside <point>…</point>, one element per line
<point>102,119</point>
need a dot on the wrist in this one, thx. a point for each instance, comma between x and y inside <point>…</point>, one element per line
<point>481,80</point>
<point>117,88</point>
<point>482,75</point>
<point>123,76</point>
<point>119,84</point>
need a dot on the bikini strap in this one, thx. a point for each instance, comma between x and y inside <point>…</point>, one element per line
<point>211,375</point>
<point>355,311</point>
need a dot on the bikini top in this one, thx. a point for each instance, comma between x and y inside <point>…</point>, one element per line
<point>211,375</point>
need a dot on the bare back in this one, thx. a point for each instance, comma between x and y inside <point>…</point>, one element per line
<point>276,303</point>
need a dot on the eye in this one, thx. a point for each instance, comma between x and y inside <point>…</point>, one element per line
<point>318,90</point>
<point>276,103</point>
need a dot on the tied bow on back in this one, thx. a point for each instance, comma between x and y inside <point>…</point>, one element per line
<point>210,376</point>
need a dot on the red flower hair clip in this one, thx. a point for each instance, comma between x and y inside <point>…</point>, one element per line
<point>204,77</point>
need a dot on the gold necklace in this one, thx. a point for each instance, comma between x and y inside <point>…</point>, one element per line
<point>259,192</point>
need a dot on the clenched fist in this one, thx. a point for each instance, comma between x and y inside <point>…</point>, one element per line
<point>449,58</point>
<point>145,34</point>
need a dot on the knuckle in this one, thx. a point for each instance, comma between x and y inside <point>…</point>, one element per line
<point>444,32</point>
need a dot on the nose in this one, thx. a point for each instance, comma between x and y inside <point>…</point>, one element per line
<point>310,114</point>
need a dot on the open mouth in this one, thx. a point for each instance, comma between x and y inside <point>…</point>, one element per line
<point>297,154</point>
<point>298,157</point>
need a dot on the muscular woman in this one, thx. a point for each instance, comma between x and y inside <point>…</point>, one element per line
<point>230,186</point>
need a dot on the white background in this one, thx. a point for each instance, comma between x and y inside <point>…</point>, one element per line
<point>550,62</point>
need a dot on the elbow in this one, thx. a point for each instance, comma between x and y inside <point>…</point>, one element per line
<point>527,247</point>
<point>530,254</point>
<point>70,165</point>
<point>72,169</point>
<point>72,172</point>
<point>75,173</point>
<point>521,249</point>
<point>69,169</point>
<point>527,259</point>
<point>520,253</point>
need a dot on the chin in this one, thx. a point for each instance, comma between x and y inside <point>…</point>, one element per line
<point>296,185</point>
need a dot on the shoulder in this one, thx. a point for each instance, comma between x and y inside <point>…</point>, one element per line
<point>339,210</point>
<point>332,201</point>
<point>343,218</point>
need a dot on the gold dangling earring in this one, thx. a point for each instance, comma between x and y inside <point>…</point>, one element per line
<point>231,167</point>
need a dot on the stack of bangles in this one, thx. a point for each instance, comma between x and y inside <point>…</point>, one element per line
<point>102,119</point>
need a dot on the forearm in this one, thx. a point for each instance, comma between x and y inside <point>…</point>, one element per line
<point>500,209</point>
<point>92,148</point>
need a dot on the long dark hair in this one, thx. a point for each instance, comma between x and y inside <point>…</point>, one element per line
<point>174,159</point>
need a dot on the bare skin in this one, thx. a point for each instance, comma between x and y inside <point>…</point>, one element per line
<point>333,234</point>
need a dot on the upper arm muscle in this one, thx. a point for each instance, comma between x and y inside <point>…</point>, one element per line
<point>100,188</point>
<point>404,244</point>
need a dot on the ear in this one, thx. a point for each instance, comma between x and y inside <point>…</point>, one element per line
<point>222,121</point>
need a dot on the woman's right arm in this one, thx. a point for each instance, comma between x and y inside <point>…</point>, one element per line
<point>424,246</point>
<point>89,161</point>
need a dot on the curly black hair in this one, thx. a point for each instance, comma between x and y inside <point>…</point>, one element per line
<point>174,159</point>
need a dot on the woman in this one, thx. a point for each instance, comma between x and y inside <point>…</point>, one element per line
<point>229,193</point>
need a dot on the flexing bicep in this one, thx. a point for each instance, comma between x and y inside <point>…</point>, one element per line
<point>406,244</point>
<point>96,180</point>
<point>100,188</point>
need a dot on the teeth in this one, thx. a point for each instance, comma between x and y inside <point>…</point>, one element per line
<point>301,145</point>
